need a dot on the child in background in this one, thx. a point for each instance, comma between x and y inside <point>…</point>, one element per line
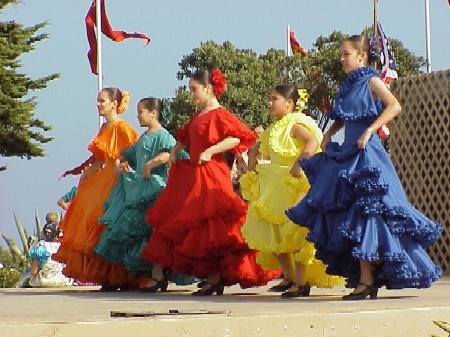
<point>44,271</point>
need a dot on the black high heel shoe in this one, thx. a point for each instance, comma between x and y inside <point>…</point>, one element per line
<point>210,289</point>
<point>107,288</point>
<point>302,291</point>
<point>369,290</point>
<point>281,287</point>
<point>202,283</point>
<point>159,285</point>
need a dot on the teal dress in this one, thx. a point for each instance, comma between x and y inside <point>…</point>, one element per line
<point>126,230</point>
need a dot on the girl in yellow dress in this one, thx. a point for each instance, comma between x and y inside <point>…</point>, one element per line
<point>273,187</point>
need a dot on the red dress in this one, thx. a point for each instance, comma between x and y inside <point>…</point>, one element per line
<point>198,217</point>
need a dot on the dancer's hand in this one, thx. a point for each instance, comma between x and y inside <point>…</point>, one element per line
<point>326,139</point>
<point>205,157</point>
<point>362,141</point>
<point>172,159</point>
<point>296,170</point>
<point>146,170</point>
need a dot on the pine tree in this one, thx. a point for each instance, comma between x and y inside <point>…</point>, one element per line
<point>20,131</point>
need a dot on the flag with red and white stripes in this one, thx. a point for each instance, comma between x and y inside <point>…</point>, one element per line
<point>387,59</point>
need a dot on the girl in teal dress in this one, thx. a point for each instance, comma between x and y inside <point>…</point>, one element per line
<point>127,231</point>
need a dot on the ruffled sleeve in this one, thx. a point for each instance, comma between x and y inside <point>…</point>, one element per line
<point>112,140</point>
<point>228,125</point>
<point>354,100</point>
<point>130,155</point>
<point>166,142</point>
<point>280,139</point>
<point>264,148</point>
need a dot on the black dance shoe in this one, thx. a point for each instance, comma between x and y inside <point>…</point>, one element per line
<point>159,285</point>
<point>281,287</point>
<point>202,283</point>
<point>210,289</point>
<point>369,290</point>
<point>301,291</point>
<point>107,288</point>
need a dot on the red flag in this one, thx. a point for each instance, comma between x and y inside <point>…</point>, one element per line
<point>326,105</point>
<point>295,45</point>
<point>115,35</point>
<point>384,132</point>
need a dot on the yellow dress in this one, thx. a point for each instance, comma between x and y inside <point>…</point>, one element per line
<point>271,190</point>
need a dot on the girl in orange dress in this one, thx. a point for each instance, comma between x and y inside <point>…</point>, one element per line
<point>81,231</point>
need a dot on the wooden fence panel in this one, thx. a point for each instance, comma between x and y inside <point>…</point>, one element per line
<point>420,150</point>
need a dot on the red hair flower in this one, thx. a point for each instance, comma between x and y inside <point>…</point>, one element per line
<point>219,82</point>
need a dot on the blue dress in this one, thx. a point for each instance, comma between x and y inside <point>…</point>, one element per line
<point>357,209</point>
<point>127,232</point>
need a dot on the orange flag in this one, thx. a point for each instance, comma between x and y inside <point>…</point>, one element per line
<point>296,47</point>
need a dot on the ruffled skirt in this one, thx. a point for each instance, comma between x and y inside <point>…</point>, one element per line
<point>197,224</point>
<point>126,229</point>
<point>271,191</point>
<point>356,210</point>
<point>81,232</point>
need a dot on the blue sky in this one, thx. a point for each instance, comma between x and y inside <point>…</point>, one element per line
<point>175,27</point>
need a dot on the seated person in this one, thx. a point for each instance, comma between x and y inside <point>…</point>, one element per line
<point>44,271</point>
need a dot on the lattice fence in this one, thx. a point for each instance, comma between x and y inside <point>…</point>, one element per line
<point>420,150</point>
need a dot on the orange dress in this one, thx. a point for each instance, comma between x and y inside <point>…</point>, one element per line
<point>81,230</point>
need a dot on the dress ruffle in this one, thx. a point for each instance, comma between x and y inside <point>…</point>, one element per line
<point>357,209</point>
<point>270,191</point>
<point>126,230</point>
<point>110,141</point>
<point>344,109</point>
<point>80,227</point>
<point>198,217</point>
<point>280,140</point>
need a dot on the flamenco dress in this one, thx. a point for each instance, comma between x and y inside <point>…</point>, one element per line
<point>127,232</point>
<point>81,230</point>
<point>198,217</point>
<point>356,208</point>
<point>271,190</point>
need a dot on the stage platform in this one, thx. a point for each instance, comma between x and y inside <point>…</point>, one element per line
<point>86,312</point>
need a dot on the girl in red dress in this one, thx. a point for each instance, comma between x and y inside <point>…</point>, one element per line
<point>197,219</point>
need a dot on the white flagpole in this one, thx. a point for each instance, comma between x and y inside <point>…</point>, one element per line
<point>288,45</point>
<point>98,16</point>
<point>427,33</point>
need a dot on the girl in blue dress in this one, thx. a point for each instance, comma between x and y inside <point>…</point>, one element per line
<point>360,220</point>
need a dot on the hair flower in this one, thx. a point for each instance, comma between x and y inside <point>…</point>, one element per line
<point>126,98</point>
<point>303,96</point>
<point>219,82</point>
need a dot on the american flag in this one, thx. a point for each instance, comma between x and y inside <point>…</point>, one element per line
<point>388,70</point>
<point>387,59</point>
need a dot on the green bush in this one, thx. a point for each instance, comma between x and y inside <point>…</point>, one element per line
<point>11,270</point>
